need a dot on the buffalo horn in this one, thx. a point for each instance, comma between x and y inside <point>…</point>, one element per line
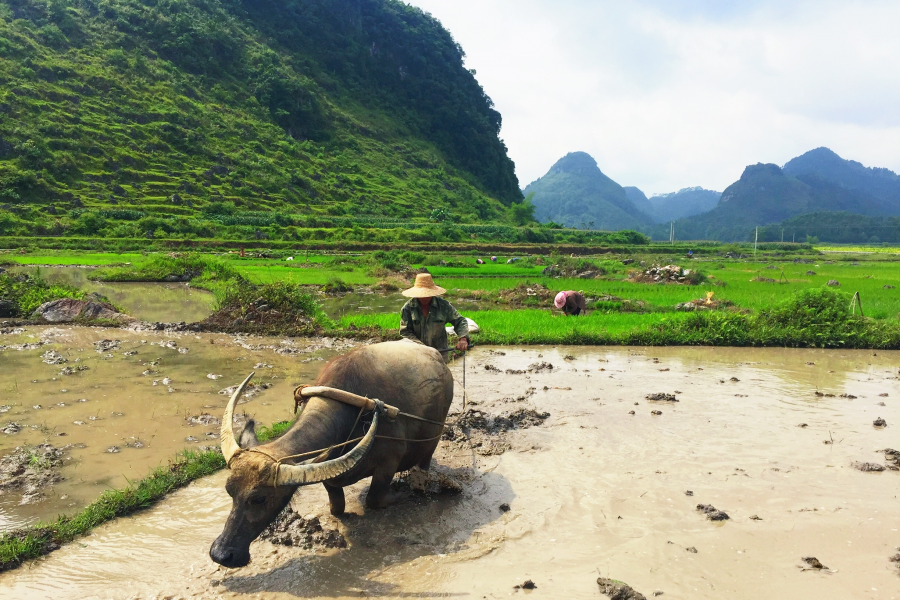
<point>314,473</point>
<point>230,446</point>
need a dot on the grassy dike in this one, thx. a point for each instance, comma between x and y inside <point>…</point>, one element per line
<point>42,538</point>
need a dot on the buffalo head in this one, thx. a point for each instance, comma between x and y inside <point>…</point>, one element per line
<point>260,485</point>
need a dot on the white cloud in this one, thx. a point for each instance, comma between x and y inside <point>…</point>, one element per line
<point>668,95</point>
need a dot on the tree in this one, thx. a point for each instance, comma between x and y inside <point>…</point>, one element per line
<point>522,213</point>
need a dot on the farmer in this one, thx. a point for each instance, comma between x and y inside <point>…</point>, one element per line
<point>425,316</point>
<point>571,303</point>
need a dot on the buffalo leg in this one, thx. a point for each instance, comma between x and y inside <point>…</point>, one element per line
<point>380,494</point>
<point>425,463</point>
<point>335,499</point>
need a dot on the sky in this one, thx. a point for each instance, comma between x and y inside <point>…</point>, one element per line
<point>668,94</point>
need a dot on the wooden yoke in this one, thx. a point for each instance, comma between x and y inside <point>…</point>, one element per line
<point>307,392</point>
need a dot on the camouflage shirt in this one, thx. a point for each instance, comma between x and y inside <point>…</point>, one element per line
<point>431,332</point>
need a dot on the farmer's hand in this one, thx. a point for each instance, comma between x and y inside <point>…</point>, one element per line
<point>462,345</point>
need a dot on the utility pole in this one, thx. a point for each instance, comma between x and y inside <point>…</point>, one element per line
<point>782,235</point>
<point>672,233</point>
<point>755,239</point>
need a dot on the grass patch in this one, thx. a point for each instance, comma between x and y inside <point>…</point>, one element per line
<point>278,308</point>
<point>21,294</point>
<point>201,271</point>
<point>31,542</point>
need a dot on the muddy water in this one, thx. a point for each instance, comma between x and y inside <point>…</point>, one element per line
<point>166,302</point>
<point>593,491</point>
<point>127,411</point>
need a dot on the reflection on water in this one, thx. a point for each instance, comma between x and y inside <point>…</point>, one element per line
<point>595,490</point>
<point>166,302</point>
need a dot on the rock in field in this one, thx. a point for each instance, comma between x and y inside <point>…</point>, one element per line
<point>65,310</point>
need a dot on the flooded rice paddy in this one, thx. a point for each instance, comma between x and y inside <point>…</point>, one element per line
<point>166,302</point>
<point>120,403</point>
<point>600,487</point>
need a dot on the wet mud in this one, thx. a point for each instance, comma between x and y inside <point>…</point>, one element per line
<point>124,402</point>
<point>589,491</point>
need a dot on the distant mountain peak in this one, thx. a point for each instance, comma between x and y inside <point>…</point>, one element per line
<point>696,188</point>
<point>576,162</point>
<point>575,192</point>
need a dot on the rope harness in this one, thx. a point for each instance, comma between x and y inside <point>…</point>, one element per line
<point>303,393</point>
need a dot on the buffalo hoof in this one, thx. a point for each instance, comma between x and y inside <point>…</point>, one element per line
<point>382,500</point>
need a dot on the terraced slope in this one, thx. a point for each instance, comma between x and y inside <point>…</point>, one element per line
<point>124,118</point>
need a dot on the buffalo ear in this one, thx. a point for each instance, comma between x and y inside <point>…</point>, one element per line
<point>247,439</point>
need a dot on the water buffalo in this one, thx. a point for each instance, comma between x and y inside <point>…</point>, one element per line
<point>409,376</point>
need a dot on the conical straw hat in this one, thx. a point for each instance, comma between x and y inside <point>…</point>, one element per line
<point>424,287</point>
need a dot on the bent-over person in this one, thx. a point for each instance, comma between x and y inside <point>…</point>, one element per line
<point>425,317</point>
<point>571,303</point>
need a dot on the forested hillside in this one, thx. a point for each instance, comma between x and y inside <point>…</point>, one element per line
<point>575,193</point>
<point>881,186</point>
<point>764,195</point>
<point>834,227</point>
<point>202,118</point>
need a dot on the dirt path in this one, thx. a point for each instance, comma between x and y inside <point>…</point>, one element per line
<point>589,491</point>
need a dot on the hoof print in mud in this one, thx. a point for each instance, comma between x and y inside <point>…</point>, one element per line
<point>712,513</point>
<point>617,590</point>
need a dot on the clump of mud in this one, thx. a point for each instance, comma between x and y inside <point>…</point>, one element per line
<point>813,563</point>
<point>250,391</point>
<point>892,457</point>
<point>30,469</point>
<point>485,433</point>
<point>525,293</point>
<point>662,397</point>
<point>437,481</point>
<point>106,345</point>
<point>290,529</point>
<point>52,357</point>
<point>521,418</point>
<point>712,513</point>
<point>868,467</point>
<point>202,419</point>
<point>617,590</point>
<point>539,367</point>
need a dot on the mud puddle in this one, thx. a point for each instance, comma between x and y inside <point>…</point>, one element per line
<point>113,404</point>
<point>589,491</point>
<point>164,302</point>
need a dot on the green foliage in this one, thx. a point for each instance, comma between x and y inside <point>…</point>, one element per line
<point>275,308</point>
<point>202,271</point>
<point>522,213</point>
<point>217,120</point>
<point>22,294</point>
